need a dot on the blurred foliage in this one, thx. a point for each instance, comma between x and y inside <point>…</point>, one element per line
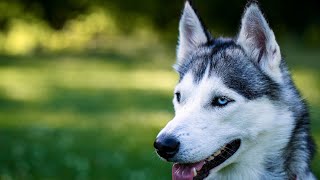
<point>294,14</point>
<point>40,25</point>
<point>95,30</point>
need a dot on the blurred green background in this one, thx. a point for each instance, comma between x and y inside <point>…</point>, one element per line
<point>85,86</point>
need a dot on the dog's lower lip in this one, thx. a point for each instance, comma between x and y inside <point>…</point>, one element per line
<point>216,159</point>
<point>220,156</point>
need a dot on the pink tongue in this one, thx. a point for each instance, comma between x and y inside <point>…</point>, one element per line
<point>185,171</point>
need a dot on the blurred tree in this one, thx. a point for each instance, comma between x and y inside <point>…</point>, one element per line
<point>223,15</point>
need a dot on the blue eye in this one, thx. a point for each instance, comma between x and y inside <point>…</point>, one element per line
<point>220,101</point>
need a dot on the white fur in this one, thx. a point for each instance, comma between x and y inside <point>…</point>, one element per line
<point>203,129</point>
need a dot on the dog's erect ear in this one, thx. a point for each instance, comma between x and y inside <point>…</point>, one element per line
<point>192,33</point>
<point>259,42</point>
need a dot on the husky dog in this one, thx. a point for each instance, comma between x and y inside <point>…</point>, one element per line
<point>238,115</point>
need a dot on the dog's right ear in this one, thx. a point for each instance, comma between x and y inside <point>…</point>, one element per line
<point>192,32</point>
<point>258,40</point>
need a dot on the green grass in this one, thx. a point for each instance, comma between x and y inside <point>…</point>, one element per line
<point>95,116</point>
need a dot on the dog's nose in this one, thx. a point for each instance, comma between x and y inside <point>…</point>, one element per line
<point>166,147</point>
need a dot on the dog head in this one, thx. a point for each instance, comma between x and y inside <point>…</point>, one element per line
<point>226,101</point>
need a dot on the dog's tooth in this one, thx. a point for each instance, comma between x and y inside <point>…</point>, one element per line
<point>217,153</point>
<point>194,172</point>
<point>210,158</point>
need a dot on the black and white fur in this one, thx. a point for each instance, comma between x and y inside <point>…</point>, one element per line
<point>267,112</point>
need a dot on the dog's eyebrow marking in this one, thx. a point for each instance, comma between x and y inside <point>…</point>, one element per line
<point>202,58</point>
<point>227,60</point>
<point>240,74</point>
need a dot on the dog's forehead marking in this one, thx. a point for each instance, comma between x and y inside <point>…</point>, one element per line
<point>228,61</point>
<point>206,88</point>
<point>186,84</point>
<point>242,75</point>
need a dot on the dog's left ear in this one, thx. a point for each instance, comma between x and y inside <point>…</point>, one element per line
<point>192,32</point>
<point>259,42</point>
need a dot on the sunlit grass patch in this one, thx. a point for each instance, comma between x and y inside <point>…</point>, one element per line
<point>28,83</point>
<point>22,84</point>
<point>39,153</point>
<point>308,82</point>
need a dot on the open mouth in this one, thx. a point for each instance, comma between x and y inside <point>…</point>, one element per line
<point>200,170</point>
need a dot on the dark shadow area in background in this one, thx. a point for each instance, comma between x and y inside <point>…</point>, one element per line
<point>93,102</point>
<point>104,101</point>
<point>40,153</point>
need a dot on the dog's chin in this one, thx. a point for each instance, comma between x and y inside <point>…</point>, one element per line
<point>200,170</point>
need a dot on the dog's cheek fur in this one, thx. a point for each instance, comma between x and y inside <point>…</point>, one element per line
<point>198,140</point>
<point>260,121</point>
<point>198,122</point>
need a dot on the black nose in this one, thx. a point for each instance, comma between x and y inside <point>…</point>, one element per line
<point>166,147</point>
